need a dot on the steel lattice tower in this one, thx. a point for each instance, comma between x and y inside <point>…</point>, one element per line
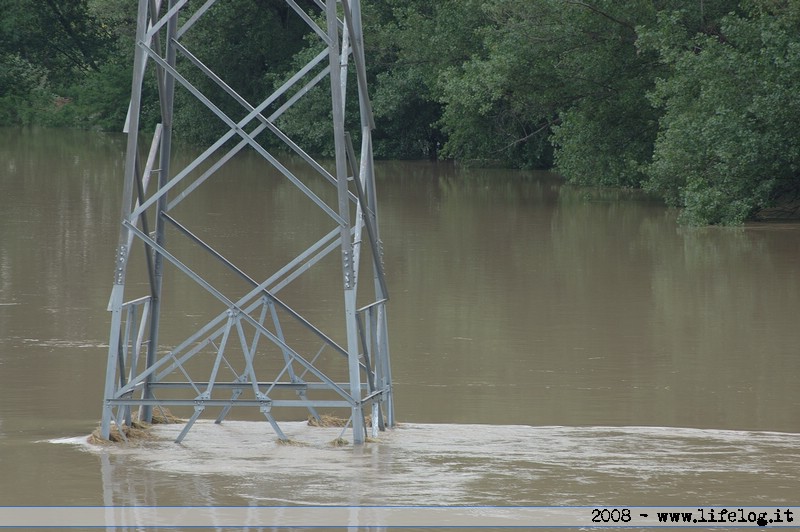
<point>239,355</point>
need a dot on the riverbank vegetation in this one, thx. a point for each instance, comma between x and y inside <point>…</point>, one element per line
<point>694,100</point>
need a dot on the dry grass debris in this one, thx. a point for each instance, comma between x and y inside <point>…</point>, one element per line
<point>292,443</point>
<point>162,416</point>
<point>137,431</point>
<point>328,420</point>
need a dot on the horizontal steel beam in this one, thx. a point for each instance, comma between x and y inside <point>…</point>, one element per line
<point>248,384</point>
<point>228,402</point>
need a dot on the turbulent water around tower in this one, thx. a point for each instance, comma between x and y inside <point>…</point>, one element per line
<point>550,345</point>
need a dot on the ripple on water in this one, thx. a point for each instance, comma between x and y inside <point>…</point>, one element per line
<point>451,464</point>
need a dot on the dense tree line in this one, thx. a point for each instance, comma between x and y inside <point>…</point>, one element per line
<point>695,100</point>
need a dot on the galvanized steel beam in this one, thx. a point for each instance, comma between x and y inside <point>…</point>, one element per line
<point>222,363</point>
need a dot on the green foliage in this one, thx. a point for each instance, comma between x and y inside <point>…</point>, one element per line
<point>239,49</point>
<point>414,47</point>
<point>23,89</point>
<point>605,133</point>
<point>61,36</point>
<point>48,49</point>
<point>101,99</point>
<point>604,144</point>
<point>408,45</point>
<point>308,121</point>
<point>500,101</point>
<point>693,100</point>
<point>728,143</point>
<point>566,67</point>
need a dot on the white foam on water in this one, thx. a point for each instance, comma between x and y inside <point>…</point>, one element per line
<point>477,464</point>
<point>70,440</point>
<point>59,343</point>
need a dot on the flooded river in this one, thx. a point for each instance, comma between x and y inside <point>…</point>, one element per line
<point>550,346</point>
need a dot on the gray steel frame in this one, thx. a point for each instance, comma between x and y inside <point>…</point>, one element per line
<point>138,371</point>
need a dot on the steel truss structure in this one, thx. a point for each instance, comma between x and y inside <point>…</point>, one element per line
<point>241,355</point>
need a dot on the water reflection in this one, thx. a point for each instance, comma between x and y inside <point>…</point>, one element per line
<point>596,311</point>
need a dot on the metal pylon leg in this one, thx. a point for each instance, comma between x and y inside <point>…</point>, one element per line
<point>210,367</point>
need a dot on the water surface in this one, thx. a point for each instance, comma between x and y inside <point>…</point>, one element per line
<point>550,345</point>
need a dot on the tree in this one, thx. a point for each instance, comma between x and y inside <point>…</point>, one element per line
<point>728,141</point>
<point>412,46</point>
<point>408,46</point>
<point>241,48</point>
<point>560,71</point>
<point>692,100</point>
<point>61,36</point>
<point>45,47</point>
<point>605,135</point>
<point>500,101</point>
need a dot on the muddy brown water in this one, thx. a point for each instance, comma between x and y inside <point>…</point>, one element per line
<point>551,345</point>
